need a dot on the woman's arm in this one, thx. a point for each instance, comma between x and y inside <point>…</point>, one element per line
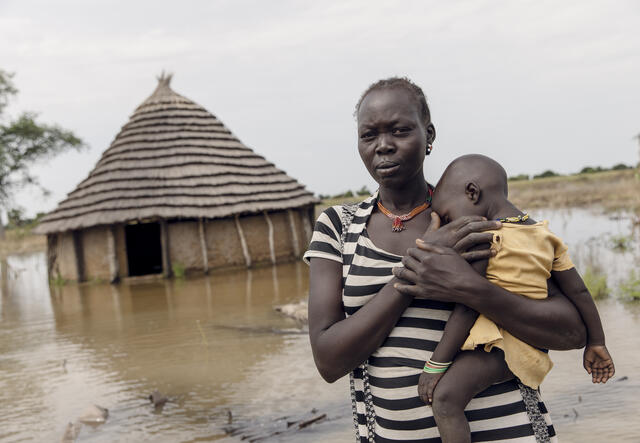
<point>440,273</point>
<point>339,344</point>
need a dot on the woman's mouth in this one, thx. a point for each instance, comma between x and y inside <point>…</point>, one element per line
<point>387,168</point>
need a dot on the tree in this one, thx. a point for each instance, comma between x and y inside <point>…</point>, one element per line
<point>23,142</point>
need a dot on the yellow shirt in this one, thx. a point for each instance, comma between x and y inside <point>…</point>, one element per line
<point>526,255</point>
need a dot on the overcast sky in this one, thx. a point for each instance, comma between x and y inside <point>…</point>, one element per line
<point>535,84</point>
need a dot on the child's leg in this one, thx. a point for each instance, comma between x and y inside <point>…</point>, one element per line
<point>471,372</point>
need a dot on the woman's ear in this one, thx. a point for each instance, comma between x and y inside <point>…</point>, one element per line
<point>431,133</point>
<point>472,191</point>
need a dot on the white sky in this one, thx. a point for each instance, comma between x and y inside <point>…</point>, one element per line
<point>535,84</point>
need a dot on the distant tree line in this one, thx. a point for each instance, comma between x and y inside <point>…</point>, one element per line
<point>363,191</point>
<point>585,170</point>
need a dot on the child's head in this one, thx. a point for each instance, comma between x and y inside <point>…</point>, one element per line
<point>471,185</point>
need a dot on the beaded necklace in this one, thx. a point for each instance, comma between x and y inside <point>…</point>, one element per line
<point>516,219</point>
<point>398,225</point>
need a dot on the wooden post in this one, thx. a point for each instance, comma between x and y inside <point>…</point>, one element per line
<point>79,255</point>
<point>307,224</point>
<point>164,242</point>
<point>294,234</point>
<point>52,255</point>
<point>203,246</point>
<point>243,243</point>
<point>114,268</point>
<point>272,249</point>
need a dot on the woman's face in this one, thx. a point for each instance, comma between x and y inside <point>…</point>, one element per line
<point>392,136</point>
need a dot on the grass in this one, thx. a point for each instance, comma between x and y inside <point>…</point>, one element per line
<point>178,269</point>
<point>620,243</point>
<point>596,282</point>
<point>611,190</point>
<point>630,289</point>
<point>20,241</point>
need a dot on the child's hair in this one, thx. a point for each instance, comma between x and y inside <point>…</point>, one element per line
<point>400,83</point>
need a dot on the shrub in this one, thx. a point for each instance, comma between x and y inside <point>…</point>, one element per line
<point>547,173</point>
<point>519,177</point>
<point>630,289</point>
<point>596,282</point>
<point>620,167</point>
<point>178,270</point>
<point>620,243</point>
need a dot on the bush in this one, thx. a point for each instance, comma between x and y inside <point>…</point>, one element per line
<point>630,289</point>
<point>621,167</point>
<point>591,170</point>
<point>547,173</point>
<point>519,177</point>
<point>363,191</point>
<point>596,283</point>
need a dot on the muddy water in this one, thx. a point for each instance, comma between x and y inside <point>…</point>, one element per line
<point>229,363</point>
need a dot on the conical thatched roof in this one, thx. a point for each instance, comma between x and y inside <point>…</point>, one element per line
<point>174,159</point>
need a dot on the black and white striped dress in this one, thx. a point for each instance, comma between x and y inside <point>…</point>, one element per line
<point>497,414</point>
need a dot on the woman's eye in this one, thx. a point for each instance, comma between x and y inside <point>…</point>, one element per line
<point>400,131</point>
<point>367,135</point>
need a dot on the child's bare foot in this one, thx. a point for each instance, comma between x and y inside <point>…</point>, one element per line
<point>598,362</point>
<point>426,386</point>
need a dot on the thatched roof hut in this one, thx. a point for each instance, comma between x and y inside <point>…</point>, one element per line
<point>175,175</point>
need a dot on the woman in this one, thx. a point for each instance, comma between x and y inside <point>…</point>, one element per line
<point>361,324</point>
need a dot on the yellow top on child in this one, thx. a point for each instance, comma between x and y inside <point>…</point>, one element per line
<point>525,257</point>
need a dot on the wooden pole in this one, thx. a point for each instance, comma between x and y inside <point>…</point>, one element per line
<point>272,248</point>
<point>79,255</point>
<point>164,242</point>
<point>294,234</point>
<point>243,243</point>
<point>114,268</point>
<point>203,246</point>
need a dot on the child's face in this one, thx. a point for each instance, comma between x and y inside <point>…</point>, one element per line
<point>451,202</point>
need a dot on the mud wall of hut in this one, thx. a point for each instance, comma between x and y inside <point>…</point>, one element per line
<point>99,253</point>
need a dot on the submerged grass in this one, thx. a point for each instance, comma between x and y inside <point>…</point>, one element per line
<point>596,282</point>
<point>630,289</point>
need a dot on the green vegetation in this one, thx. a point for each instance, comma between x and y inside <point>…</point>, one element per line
<point>630,289</point>
<point>178,270</point>
<point>620,243</point>
<point>24,142</point>
<point>596,282</point>
<point>363,191</point>
<point>58,280</point>
<point>520,177</point>
<point>547,173</point>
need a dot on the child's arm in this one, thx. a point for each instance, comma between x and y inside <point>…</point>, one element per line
<point>597,360</point>
<point>455,333</point>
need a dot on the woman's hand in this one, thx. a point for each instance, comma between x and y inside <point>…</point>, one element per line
<point>435,272</point>
<point>462,235</point>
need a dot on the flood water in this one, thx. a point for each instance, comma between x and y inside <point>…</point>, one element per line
<point>234,368</point>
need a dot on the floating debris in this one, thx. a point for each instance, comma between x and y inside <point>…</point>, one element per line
<point>158,399</point>
<point>94,414</point>
<point>297,311</point>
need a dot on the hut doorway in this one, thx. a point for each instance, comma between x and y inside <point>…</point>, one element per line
<point>144,250</point>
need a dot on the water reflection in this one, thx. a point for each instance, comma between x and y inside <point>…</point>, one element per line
<point>198,340</point>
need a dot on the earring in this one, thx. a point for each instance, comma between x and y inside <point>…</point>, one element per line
<point>429,148</point>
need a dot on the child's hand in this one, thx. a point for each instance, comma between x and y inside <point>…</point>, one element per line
<point>598,363</point>
<point>426,386</point>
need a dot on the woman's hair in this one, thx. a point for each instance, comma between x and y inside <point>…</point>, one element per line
<point>400,83</point>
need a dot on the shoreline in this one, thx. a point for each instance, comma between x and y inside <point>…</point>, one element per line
<point>610,191</point>
<point>607,190</point>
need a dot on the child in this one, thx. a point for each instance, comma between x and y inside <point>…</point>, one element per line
<point>527,254</point>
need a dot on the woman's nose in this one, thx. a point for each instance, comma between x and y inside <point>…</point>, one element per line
<point>385,145</point>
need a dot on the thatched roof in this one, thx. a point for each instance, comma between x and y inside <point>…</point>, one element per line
<point>174,159</point>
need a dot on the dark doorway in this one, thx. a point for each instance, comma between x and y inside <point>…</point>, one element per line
<point>144,251</point>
